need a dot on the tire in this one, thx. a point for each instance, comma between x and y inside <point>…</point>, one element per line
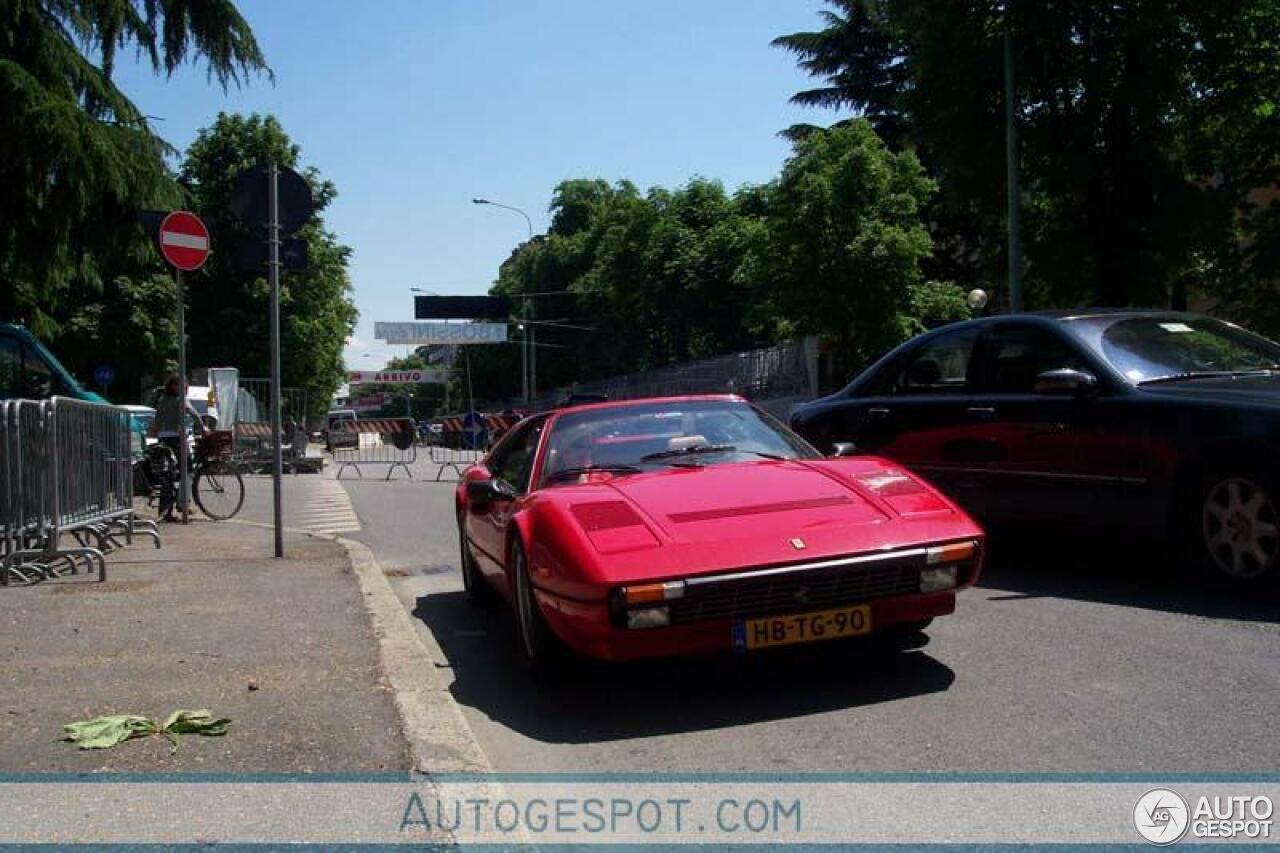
<point>546,656</point>
<point>474,585</point>
<point>1234,517</point>
<point>219,491</point>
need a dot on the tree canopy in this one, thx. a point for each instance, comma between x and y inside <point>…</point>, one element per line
<point>77,159</point>
<point>630,280</point>
<point>227,317</point>
<point>1149,133</point>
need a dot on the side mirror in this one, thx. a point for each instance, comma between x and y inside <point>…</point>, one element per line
<point>844,448</point>
<point>1065,381</point>
<point>488,491</point>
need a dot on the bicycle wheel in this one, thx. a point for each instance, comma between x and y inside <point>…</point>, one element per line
<point>219,491</point>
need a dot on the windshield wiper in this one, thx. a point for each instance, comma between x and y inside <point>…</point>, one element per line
<point>1210,374</point>
<point>687,451</point>
<point>590,469</point>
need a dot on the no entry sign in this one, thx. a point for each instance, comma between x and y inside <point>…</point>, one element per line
<point>184,241</point>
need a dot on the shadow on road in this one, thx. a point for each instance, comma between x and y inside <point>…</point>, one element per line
<point>617,701</point>
<point>1108,570</point>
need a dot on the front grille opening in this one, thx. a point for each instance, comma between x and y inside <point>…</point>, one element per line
<point>772,595</point>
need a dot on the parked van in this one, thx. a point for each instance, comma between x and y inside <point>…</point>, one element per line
<point>30,371</point>
<point>334,433</point>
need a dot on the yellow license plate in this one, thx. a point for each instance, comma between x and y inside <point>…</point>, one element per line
<point>802,627</point>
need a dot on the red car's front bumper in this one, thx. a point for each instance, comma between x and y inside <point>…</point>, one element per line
<point>587,628</point>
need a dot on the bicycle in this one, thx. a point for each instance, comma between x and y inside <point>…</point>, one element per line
<point>216,484</point>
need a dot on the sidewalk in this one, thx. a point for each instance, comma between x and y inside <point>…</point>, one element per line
<point>282,647</point>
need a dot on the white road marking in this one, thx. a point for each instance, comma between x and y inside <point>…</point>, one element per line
<point>327,508</point>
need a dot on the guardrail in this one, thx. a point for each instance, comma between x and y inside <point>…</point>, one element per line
<point>379,441</point>
<point>66,469</point>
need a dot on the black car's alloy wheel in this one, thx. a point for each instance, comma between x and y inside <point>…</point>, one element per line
<point>1239,526</point>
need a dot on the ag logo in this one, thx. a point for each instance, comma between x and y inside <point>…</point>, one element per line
<point>1161,816</point>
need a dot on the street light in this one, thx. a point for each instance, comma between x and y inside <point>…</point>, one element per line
<point>529,357</point>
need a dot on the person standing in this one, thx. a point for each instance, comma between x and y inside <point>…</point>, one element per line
<point>168,427</point>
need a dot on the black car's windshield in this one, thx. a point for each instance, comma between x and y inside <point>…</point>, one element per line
<point>625,439</point>
<point>1147,349</point>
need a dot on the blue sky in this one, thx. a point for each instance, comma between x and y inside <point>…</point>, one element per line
<point>413,107</point>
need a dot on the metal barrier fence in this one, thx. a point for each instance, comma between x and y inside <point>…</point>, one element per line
<point>66,469</point>
<point>784,372</point>
<point>380,441</point>
<point>252,449</point>
<point>455,447</point>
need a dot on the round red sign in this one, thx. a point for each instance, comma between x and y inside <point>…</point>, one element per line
<point>184,241</point>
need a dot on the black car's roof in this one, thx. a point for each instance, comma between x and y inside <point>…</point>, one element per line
<point>1089,313</point>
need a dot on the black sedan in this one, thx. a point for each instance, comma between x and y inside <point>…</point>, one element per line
<point>1155,419</point>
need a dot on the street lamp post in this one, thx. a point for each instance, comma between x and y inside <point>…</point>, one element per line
<point>529,368</point>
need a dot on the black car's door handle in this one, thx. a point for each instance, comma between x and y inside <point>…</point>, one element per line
<point>877,413</point>
<point>981,413</point>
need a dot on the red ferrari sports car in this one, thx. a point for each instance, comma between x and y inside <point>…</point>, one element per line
<point>643,528</point>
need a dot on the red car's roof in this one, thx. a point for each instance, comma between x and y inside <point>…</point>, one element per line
<point>643,401</point>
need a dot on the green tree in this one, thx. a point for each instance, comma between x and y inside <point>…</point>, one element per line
<point>228,313</point>
<point>78,160</point>
<point>1146,127</point>
<point>844,245</point>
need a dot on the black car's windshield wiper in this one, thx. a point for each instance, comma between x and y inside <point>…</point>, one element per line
<point>591,469</point>
<point>687,451</point>
<point>1210,374</point>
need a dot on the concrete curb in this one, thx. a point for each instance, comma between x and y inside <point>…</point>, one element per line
<point>440,738</point>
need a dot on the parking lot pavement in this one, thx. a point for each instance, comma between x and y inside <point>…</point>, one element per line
<point>1085,656</point>
<point>282,647</point>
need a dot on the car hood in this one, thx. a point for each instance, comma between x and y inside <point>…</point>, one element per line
<point>685,521</point>
<point>1246,390</point>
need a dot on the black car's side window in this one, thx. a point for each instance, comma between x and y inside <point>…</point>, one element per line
<point>514,462</point>
<point>939,366</point>
<point>1016,355</point>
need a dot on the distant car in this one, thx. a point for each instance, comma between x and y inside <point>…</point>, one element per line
<point>28,369</point>
<point>1163,423</point>
<point>140,419</point>
<point>699,524</point>
<point>335,435</point>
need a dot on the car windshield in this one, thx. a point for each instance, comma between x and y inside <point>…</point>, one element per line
<point>1154,348</point>
<point>142,420</point>
<point>679,432</point>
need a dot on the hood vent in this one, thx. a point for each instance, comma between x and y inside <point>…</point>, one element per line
<point>758,509</point>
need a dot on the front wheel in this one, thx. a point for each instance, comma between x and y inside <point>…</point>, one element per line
<point>1239,527</point>
<point>547,656</point>
<point>219,490</point>
<point>473,585</point>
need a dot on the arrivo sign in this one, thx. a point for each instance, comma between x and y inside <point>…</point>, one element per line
<point>421,377</point>
<point>184,241</point>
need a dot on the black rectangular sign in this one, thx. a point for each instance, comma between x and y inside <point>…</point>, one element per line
<point>461,307</point>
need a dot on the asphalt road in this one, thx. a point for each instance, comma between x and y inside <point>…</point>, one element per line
<point>1070,655</point>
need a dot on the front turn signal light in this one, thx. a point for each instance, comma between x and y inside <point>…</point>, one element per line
<point>652,593</point>
<point>956,552</point>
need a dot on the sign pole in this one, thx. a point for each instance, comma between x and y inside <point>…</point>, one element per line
<point>184,464</point>
<point>273,265</point>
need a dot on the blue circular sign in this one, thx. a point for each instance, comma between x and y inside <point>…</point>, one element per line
<point>104,374</point>
<point>475,434</point>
